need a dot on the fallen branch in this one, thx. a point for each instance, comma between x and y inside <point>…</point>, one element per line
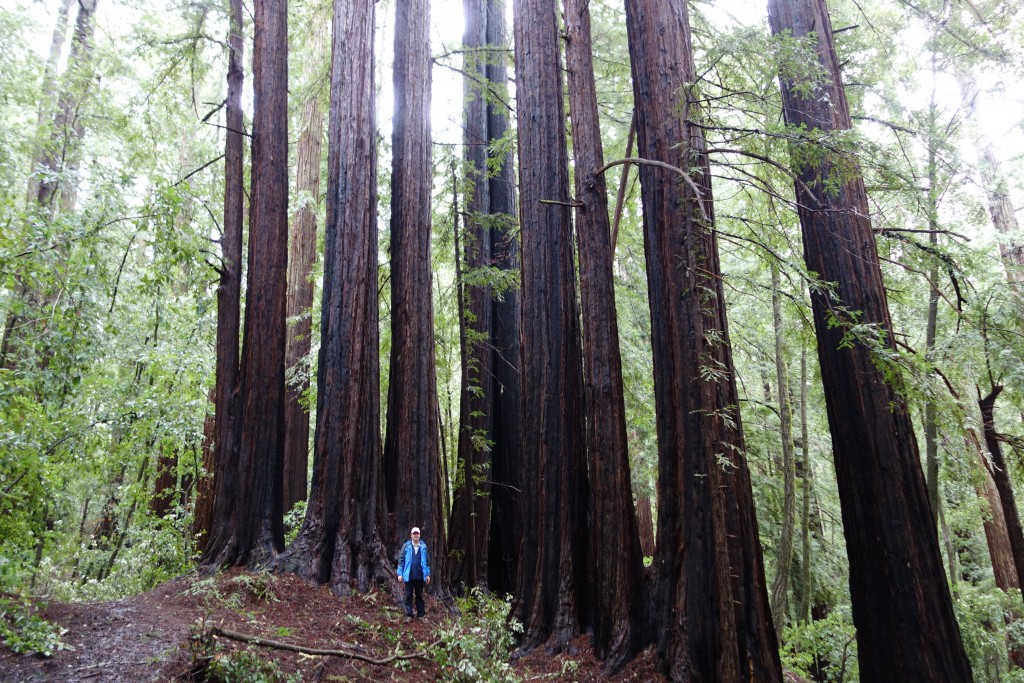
<point>264,642</point>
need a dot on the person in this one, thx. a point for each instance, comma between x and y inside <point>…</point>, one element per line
<point>414,572</point>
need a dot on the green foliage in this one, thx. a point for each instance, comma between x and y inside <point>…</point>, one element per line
<point>24,631</point>
<point>477,646</point>
<point>245,666</point>
<point>827,645</point>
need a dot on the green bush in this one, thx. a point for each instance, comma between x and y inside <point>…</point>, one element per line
<point>477,646</point>
<point>26,632</point>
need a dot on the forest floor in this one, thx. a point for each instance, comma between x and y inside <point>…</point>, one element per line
<point>155,637</point>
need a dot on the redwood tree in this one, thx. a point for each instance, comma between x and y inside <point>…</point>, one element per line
<point>906,629</point>
<point>710,602</point>
<point>616,575</point>
<point>253,533</point>
<point>339,542</point>
<point>553,574</point>
<point>506,400</point>
<point>301,255</point>
<point>412,469</point>
<point>224,454</point>
<point>471,504</point>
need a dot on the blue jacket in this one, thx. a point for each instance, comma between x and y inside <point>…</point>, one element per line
<point>405,556</point>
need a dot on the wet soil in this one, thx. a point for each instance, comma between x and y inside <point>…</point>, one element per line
<point>157,636</point>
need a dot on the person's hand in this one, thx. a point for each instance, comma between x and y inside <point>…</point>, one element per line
<point>400,579</point>
<point>427,580</point>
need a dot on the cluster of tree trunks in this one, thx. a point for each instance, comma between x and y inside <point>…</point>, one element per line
<point>545,507</point>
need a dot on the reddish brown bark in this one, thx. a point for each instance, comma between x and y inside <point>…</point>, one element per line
<point>906,629</point>
<point>165,486</point>
<point>471,505</point>
<point>710,607</point>
<point>224,446</point>
<point>301,255</point>
<point>997,470</point>
<point>506,401</point>
<point>339,542</point>
<point>616,577</point>
<point>255,533</point>
<point>202,515</point>
<point>552,577</point>
<point>412,466</point>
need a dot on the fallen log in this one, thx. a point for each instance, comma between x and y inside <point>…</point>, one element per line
<point>278,645</point>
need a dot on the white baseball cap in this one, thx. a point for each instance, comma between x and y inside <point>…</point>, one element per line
<point>415,530</point>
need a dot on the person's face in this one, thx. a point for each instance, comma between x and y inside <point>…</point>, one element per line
<point>416,536</point>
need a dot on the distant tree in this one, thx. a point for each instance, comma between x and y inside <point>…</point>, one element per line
<point>252,532</point>
<point>710,605</point>
<point>340,543</point>
<point>906,629</point>
<point>552,584</point>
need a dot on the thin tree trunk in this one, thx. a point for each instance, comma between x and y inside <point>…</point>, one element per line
<point>256,524</point>
<point>906,629</point>
<point>784,561</point>
<point>1001,477</point>
<point>615,576</point>
<point>506,400</point>
<point>412,467</point>
<point>645,525</point>
<point>301,256</point>
<point>339,543</point>
<point>224,449</point>
<point>807,478</point>
<point>552,582</point>
<point>202,515</point>
<point>931,446</point>
<point>710,608</point>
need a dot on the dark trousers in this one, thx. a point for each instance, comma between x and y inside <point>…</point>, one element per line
<point>410,586</point>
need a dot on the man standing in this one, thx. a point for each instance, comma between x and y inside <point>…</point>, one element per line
<point>414,572</point>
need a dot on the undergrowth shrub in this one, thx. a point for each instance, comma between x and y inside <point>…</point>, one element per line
<point>477,646</point>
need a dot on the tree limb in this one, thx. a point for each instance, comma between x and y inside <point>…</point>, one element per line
<point>278,645</point>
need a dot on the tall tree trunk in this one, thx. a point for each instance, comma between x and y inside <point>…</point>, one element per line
<point>931,445</point>
<point>470,508</point>
<point>224,449</point>
<point>645,525</point>
<point>615,576</point>
<point>784,561</point>
<point>256,527</point>
<point>301,255</point>
<point>412,467</point>
<point>202,515</point>
<point>53,185</point>
<point>49,80</point>
<point>165,484</point>
<point>553,574</point>
<point>339,542</point>
<point>902,609</point>
<point>506,400</point>
<point>711,605</point>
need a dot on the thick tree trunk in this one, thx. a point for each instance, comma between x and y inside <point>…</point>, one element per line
<point>902,609</point>
<point>412,467</point>
<point>553,574</point>
<point>301,255</point>
<point>506,399</point>
<point>471,505</point>
<point>616,577</point>
<point>256,528</point>
<point>224,446</point>
<point>711,605</point>
<point>339,542</point>
<point>784,561</point>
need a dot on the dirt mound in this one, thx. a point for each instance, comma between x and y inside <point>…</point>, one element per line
<point>156,637</point>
